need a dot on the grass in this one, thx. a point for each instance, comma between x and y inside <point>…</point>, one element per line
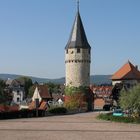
<point>110,117</point>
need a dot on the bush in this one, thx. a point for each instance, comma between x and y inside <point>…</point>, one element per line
<point>70,91</point>
<point>106,107</point>
<point>130,100</point>
<point>21,114</point>
<point>58,110</point>
<point>110,117</point>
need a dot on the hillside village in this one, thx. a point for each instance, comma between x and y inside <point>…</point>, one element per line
<point>77,91</point>
<point>18,98</point>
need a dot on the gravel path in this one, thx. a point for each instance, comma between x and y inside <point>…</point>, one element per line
<point>82,126</point>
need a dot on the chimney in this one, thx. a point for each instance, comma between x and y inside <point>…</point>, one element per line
<point>136,67</point>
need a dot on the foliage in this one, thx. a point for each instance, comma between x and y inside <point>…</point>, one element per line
<point>54,88</point>
<point>74,101</point>
<point>58,110</point>
<point>130,100</point>
<point>31,91</point>
<point>2,84</point>
<point>3,98</point>
<point>27,82</point>
<point>116,92</point>
<point>26,113</point>
<point>110,117</point>
<point>73,90</point>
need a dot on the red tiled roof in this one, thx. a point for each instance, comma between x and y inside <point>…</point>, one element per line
<point>32,105</point>
<point>57,97</point>
<point>43,91</point>
<point>6,108</point>
<point>43,105</point>
<point>127,72</point>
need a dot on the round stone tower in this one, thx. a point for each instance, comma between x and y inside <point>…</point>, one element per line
<point>77,56</point>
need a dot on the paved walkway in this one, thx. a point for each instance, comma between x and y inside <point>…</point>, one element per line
<point>82,126</point>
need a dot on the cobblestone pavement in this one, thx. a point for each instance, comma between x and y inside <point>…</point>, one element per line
<point>82,126</point>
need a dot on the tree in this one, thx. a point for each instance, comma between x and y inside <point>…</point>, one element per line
<point>3,98</point>
<point>130,100</point>
<point>116,92</point>
<point>54,88</point>
<point>31,91</point>
<point>26,82</point>
<point>2,84</point>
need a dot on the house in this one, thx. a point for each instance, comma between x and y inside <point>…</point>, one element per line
<point>102,91</point>
<point>128,75</point>
<point>102,96</point>
<point>42,93</point>
<point>40,98</point>
<point>58,99</point>
<point>16,90</point>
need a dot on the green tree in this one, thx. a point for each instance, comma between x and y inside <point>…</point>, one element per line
<point>73,90</point>
<point>130,100</point>
<point>2,94</point>
<point>27,83</point>
<point>31,91</point>
<point>54,88</point>
<point>2,84</point>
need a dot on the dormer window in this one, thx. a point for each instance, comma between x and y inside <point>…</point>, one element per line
<point>78,50</point>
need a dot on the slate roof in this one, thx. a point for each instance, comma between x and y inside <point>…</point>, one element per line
<point>78,37</point>
<point>127,72</point>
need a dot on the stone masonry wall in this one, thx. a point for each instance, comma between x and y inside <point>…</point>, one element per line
<point>77,67</point>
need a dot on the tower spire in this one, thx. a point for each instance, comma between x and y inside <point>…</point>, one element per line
<point>78,37</point>
<point>78,5</point>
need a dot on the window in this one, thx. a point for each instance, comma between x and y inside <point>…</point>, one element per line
<point>89,51</point>
<point>18,99</point>
<point>18,92</point>
<point>78,50</point>
<point>67,51</point>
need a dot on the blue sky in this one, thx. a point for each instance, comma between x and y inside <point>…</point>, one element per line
<point>33,35</point>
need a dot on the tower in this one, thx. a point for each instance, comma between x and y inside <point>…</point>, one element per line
<point>77,55</point>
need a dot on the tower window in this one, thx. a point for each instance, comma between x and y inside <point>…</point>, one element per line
<point>78,50</point>
<point>89,51</point>
<point>67,51</point>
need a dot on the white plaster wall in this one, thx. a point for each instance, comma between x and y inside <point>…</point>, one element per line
<point>18,95</point>
<point>131,82</point>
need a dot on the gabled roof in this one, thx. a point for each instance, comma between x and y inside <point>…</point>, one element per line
<point>41,92</point>
<point>44,92</point>
<point>127,72</point>
<point>78,37</point>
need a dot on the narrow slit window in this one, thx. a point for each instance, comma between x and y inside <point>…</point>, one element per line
<point>78,50</point>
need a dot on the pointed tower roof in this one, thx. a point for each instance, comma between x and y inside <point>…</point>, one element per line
<point>127,72</point>
<point>78,37</point>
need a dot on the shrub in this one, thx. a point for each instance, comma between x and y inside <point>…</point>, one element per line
<point>58,110</point>
<point>130,100</point>
<point>74,101</point>
<point>110,117</point>
<point>21,114</point>
<point>70,91</point>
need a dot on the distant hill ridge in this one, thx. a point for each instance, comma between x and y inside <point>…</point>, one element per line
<point>95,79</point>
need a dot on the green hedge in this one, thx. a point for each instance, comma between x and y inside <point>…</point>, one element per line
<point>110,117</point>
<point>58,110</point>
<point>21,114</point>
